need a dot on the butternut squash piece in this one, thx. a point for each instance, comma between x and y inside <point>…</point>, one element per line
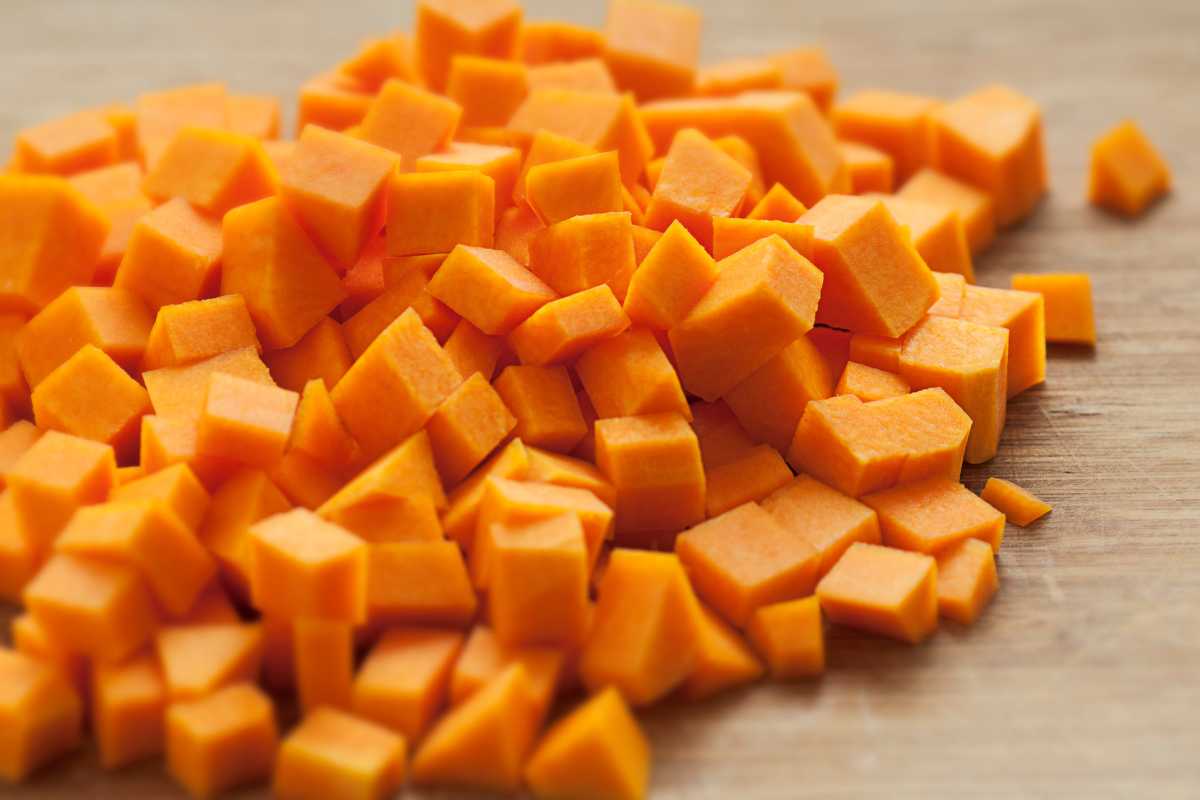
<point>419,583</point>
<point>723,658</point>
<point>771,400</point>
<point>40,712</point>
<point>511,461</point>
<point>324,662</point>
<point>585,74</point>
<point>952,292</point>
<point>473,351</point>
<point>404,682</point>
<point>938,234</point>
<point>871,170</point>
<point>409,120</point>
<point>378,60</point>
<point>1068,299</point>
<point>575,473</point>
<point>777,204</point>
<point>116,191</point>
<point>585,251</point>
<point>288,285</point>
<point>544,403</point>
<point>67,145</point>
<point>193,331</point>
<point>404,473</point>
<point>548,147</point>
<point>992,139</point>
<point>489,288</point>
<point>245,421</point>
<point>15,440</point>
<point>597,750</point>
<point>173,255</point>
<point>765,296</point>
<point>880,352</point>
<point>334,754</point>
<point>884,591</point>
<point>433,212</point>
<point>808,70</point>
<point>411,290</point>
<point>129,704</point>
<point>1023,313</point>
<point>974,207</point>
<point>197,660</point>
<point>53,242</point>
<point>670,279</point>
<point>629,375</point>
<point>446,28</point>
<point>499,162</point>
<point>488,89</point>
<point>643,640</point>
<point>869,384</point>
<point>966,580</point>
<point>745,479</point>
<point>790,637</point>
<point>698,182</point>
<point>484,656</point>
<point>1017,504</point>
<point>515,231</point>
<point>931,515</point>
<point>176,487</point>
<point>737,75</point>
<point>551,41</point>
<point>254,115</point>
<point>318,432</point>
<point>722,438</point>
<point>561,189</point>
<point>824,517</point>
<point>466,427</point>
<point>563,328</point>
<point>179,392</point>
<point>1127,173</point>
<point>223,741</point>
<point>652,48</point>
<point>214,170</point>
<point>654,464</point>
<point>303,566</point>
<point>333,101</point>
<point>733,234</point>
<point>898,124</point>
<point>246,497</point>
<point>161,115</point>
<point>31,638</point>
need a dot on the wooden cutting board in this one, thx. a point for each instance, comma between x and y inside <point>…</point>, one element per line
<point>1083,678</point>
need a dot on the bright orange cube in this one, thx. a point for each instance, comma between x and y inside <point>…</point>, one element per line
<point>1127,173</point>
<point>670,280</point>
<point>40,713</point>
<point>790,638</point>
<point>489,288</point>
<point>1068,297</point>
<point>652,48</point>
<point>173,256</point>
<point>245,421</point>
<point>881,590</point>
<point>898,124</point>
<point>409,120</point>
<point>931,515</point>
<point>129,704</point>
<point>466,427</point>
<point>187,332</point>
<point>223,741</point>
<point>630,375</point>
<point>332,753</point>
<point>966,580</point>
<point>563,328</point>
<point>544,403</point>
<point>433,212</point>
<point>446,28</point>
<point>214,170</point>
<point>404,681</point>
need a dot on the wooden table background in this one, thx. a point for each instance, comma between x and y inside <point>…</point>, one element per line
<point>1083,678</point>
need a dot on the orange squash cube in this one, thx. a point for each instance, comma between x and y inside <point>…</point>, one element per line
<point>869,384</point>
<point>193,331</point>
<point>723,658</point>
<point>652,48</point>
<point>1127,173</point>
<point>560,470</point>
<point>746,478</point>
<point>489,288</point>
<point>173,256</point>
<point>377,60</point>
<point>670,279</point>
<point>197,660</point>
<point>321,353</point>
<point>67,145</point>
<point>563,328</point>
<point>938,234</point>
<point>790,638</point>
<point>499,162</point>
<point>731,234</point>
<point>446,28</point>
<point>722,438</point>
<point>15,440</point>
<point>808,70</point>
<point>931,515</point>
<point>1068,298</point>
<point>974,207</point>
<point>223,741</point>
<point>40,713</point>
<point>473,351</point>
<point>544,403</point>
<point>488,89</point>
<point>1023,314</point>
<point>884,591</point>
<point>870,170</point>
<point>161,115</point>
<point>484,656</point>
<point>117,191</point>
<point>564,188</point>
<point>433,212</point>
<point>770,401</point>
<point>511,461</point>
<point>698,182</point>
<point>548,147</point>
<point>333,101</point>
<point>337,186</point>
<point>334,754</point>
<point>466,427</point>
<point>323,668</point>
<point>129,704</point>
<point>409,120</point>
<point>898,124</point>
<point>245,421</point>
<point>824,517</point>
<point>629,375</point>
<point>419,583</point>
<point>585,251</point>
<point>246,497</point>
<point>778,204</point>
<point>405,680</point>
<point>175,487</point>
<point>179,392</point>
<point>966,580</point>
<point>214,170</point>
<point>254,115</point>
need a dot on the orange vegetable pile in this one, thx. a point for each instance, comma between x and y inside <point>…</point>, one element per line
<point>542,375</point>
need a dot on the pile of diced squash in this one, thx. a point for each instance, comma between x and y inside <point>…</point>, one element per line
<point>542,376</point>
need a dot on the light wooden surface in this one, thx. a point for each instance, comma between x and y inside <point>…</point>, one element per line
<point>1083,678</point>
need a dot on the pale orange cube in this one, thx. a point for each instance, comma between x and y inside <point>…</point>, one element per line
<point>630,375</point>
<point>1127,173</point>
<point>214,170</point>
<point>433,212</point>
<point>409,120</point>
<point>670,279</point>
<point>489,288</point>
<point>466,427</point>
<point>929,516</point>
<point>129,704</point>
<point>67,145</point>
<point>563,328</point>
<point>446,28</point>
<point>197,660</point>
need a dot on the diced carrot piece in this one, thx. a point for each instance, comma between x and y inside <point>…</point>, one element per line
<point>952,290</point>
<point>304,566</point>
<point>243,499</point>
<point>193,331</point>
<point>699,181</point>
<point>1127,173</point>
<point>223,741</point>
<point>288,285</point>
<point>992,139</point>
<point>1018,505</point>
<point>446,28</point>
<point>245,421</point>
<point>337,186</point>
<point>67,145</point>
<point>794,142</point>
<point>749,477</point>
<point>552,556</point>
<point>808,70</point>
<point>770,402</point>
<point>407,364</point>
<point>859,447</point>
<point>333,101</point>
<point>1068,299</point>
<point>161,115</point>
<point>179,392</point>
<point>410,121</point>
<point>824,517</point>
<point>113,320</point>
<point>214,170</point>
<point>884,591</point>
<point>483,743</point>
<point>629,375</point>
<point>320,354</point>
<point>875,282</point>
<point>419,583</point>
<point>652,47</point>
<point>871,170</point>
<point>404,681</point>
<point>597,750</point>
<point>966,580</point>
<point>974,207</point>
<point>173,256</point>
<point>765,296</point>
<point>932,515</point>
<point>433,212</point>
<point>378,60</point>
<point>723,658</point>
<point>334,754</point>
<point>41,715</point>
<point>53,242</point>
<point>148,537</point>
<point>499,162</point>
<point>585,251</point>
<point>197,660</point>
<point>722,438</point>
<point>969,361</point>
<point>670,279</point>
<point>473,351</point>
<point>868,383</point>
<point>15,440</point>
<point>563,328</point>
<point>94,607</point>
<point>790,637</point>
<point>595,119</point>
<point>512,461</point>
<point>55,476</point>
<point>489,90</point>
<point>129,704</point>
<point>938,234</point>
<point>466,427</point>
<point>895,123</point>
<point>117,191</point>
<point>879,352</point>
<point>643,640</point>
<point>544,403</point>
<point>561,189</point>
<point>323,651</point>
<point>255,115</point>
<point>777,204</point>
<point>1023,313</point>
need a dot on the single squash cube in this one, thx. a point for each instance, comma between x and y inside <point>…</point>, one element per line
<point>223,741</point>
<point>334,754</point>
<point>882,590</point>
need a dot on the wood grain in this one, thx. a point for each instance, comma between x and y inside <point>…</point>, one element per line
<point>1083,678</point>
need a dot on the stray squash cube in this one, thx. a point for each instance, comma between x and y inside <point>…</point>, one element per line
<point>40,713</point>
<point>446,28</point>
<point>652,48</point>
<point>223,741</point>
<point>932,515</point>
<point>404,681</point>
<point>544,403</point>
<point>597,750</point>
<point>884,591</point>
<point>1068,297</point>
<point>245,421</point>
<point>1019,506</point>
<point>1127,173</point>
<point>214,170</point>
<point>433,212</point>
<point>334,754</point>
<point>966,580</point>
<point>744,559</point>
<point>129,704</point>
<point>790,637</point>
